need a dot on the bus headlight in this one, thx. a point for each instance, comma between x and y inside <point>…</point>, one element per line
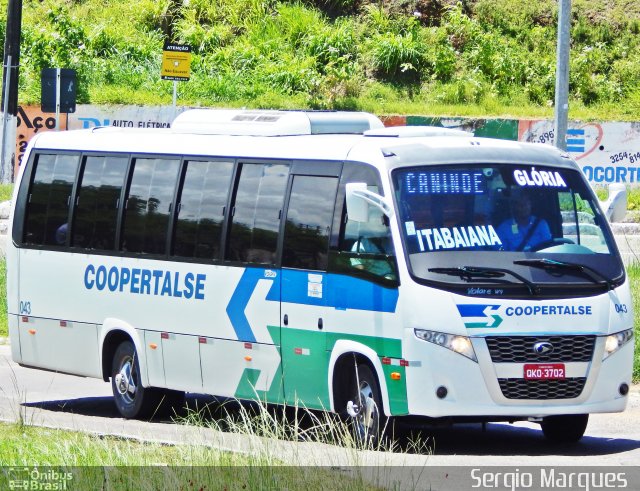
<point>616,341</point>
<point>460,344</point>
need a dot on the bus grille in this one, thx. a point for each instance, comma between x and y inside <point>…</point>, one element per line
<point>517,388</point>
<point>519,349</point>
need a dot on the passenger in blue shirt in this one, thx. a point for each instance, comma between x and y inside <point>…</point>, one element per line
<point>523,231</point>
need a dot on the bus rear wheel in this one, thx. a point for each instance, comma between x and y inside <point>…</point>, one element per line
<point>565,428</point>
<point>131,398</point>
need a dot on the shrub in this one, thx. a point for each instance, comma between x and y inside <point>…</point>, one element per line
<point>202,38</point>
<point>333,45</point>
<point>399,56</point>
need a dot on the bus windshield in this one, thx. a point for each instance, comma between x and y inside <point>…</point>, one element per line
<point>508,213</point>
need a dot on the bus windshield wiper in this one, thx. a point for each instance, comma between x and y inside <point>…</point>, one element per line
<point>469,273</point>
<point>561,266</point>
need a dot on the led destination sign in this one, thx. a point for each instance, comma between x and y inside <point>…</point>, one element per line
<point>444,182</point>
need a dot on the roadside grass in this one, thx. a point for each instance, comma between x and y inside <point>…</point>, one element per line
<point>4,321</point>
<point>6,190</point>
<point>296,423</point>
<point>633,271</point>
<point>92,461</point>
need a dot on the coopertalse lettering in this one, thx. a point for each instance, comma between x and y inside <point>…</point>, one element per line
<point>141,281</point>
<point>549,310</point>
<point>433,239</point>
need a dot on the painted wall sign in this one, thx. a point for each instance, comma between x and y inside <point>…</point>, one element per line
<point>89,116</point>
<point>31,120</point>
<point>606,152</point>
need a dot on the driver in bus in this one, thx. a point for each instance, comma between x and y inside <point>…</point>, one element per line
<point>523,231</point>
<point>373,246</point>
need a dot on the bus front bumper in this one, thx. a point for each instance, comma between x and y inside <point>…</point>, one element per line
<point>442,383</point>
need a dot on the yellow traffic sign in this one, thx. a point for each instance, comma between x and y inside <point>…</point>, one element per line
<point>176,62</point>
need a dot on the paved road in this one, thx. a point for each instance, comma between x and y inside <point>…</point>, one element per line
<point>61,401</point>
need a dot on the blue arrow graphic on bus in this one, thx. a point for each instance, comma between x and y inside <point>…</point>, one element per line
<point>483,315</point>
<point>241,296</point>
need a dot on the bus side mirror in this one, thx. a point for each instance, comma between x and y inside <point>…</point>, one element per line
<point>357,208</point>
<point>359,198</point>
<point>615,207</point>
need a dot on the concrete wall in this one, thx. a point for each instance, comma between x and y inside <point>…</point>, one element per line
<point>607,152</point>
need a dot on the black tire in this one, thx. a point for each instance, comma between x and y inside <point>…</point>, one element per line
<point>131,398</point>
<point>369,422</point>
<point>566,428</point>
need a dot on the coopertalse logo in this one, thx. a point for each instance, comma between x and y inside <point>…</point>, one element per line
<point>479,315</point>
<point>490,316</point>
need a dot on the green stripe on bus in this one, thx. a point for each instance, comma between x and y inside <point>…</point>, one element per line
<point>246,387</point>
<point>397,390</point>
<point>302,378</point>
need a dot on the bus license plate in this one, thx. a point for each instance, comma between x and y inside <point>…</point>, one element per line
<point>544,371</point>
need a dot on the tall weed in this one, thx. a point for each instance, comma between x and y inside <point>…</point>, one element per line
<point>633,271</point>
<point>4,321</point>
<point>297,423</point>
<point>397,56</point>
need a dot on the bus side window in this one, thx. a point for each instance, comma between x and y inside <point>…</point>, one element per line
<point>198,230</point>
<point>309,215</point>
<point>256,212</point>
<point>47,212</point>
<point>363,249</point>
<point>148,205</point>
<point>96,213</point>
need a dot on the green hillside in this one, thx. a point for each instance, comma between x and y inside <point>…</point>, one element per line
<point>494,57</point>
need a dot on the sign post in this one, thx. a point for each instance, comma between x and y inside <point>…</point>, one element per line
<point>561,116</point>
<point>176,66</point>
<point>11,63</point>
<point>4,174</point>
<point>58,91</point>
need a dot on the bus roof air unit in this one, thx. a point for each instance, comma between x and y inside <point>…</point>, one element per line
<point>273,123</point>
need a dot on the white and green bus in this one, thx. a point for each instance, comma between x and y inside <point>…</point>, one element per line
<point>320,259</point>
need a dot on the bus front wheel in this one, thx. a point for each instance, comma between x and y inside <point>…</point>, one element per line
<point>565,428</point>
<point>365,406</point>
<point>131,398</point>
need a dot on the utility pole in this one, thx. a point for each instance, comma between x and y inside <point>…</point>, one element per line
<point>562,74</point>
<point>11,62</point>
